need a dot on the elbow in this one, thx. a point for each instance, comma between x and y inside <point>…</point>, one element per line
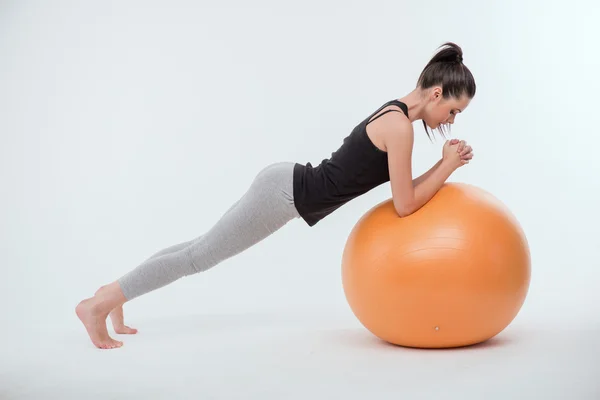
<point>403,213</point>
<point>404,210</point>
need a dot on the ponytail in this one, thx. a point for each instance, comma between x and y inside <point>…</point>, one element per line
<point>450,53</point>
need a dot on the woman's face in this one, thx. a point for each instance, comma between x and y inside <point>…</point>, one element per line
<point>440,111</point>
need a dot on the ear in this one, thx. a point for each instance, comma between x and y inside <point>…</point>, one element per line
<point>436,93</point>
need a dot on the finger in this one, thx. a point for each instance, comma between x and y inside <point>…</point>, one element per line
<point>466,150</point>
<point>461,146</point>
<point>467,154</point>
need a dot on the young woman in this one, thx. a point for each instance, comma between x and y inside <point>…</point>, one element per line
<point>378,150</point>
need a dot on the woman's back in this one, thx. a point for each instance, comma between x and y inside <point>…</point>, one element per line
<point>359,165</point>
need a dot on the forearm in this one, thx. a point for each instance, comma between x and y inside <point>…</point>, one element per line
<point>430,185</point>
<point>427,174</point>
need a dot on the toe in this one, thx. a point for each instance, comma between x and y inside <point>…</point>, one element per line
<point>125,330</point>
<point>130,330</point>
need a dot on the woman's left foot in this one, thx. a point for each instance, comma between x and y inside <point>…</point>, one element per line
<point>94,321</point>
<point>116,316</point>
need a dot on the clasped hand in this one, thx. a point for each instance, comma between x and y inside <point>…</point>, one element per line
<point>465,151</point>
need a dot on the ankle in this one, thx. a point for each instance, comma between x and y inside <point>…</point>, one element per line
<point>100,290</point>
<point>111,293</point>
<point>104,303</point>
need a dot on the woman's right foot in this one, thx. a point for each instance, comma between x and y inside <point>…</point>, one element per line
<point>116,316</point>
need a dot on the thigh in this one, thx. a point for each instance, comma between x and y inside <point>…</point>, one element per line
<point>262,210</point>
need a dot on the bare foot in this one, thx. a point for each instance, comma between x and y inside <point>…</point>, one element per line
<point>94,321</point>
<point>116,316</point>
<point>93,313</point>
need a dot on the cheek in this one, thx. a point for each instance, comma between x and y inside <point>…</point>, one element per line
<point>448,116</point>
<point>435,114</point>
<point>442,115</point>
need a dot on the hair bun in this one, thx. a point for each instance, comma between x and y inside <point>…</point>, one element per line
<point>459,58</point>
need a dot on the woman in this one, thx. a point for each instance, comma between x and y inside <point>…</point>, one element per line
<point>378,150</point>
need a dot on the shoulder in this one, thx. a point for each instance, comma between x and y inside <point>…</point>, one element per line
<point>395,128</point>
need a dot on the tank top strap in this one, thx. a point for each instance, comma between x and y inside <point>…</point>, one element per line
<point>397,102</point>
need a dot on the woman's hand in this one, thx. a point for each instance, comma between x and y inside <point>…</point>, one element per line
<point>465,151</point>
<point>451,155</point>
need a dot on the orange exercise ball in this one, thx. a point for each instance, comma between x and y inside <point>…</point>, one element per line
<point>454,273</point>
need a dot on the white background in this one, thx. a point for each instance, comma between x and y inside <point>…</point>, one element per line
<point>130,126</point>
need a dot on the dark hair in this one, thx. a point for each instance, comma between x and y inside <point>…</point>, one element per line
<point>446,69</point>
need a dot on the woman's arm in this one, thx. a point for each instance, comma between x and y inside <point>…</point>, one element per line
<point>399,138</point>
<point>421,178</point>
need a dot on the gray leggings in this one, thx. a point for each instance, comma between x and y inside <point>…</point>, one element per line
<point>267,206</point>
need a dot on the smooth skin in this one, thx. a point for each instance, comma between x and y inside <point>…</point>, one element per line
<point>108,300</point>
<point>393,132</point>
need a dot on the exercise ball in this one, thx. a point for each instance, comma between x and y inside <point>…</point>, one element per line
<point>454,273</point>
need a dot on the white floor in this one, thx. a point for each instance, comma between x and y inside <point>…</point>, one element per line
<point>297,356</point>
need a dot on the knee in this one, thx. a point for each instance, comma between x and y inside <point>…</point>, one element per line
<point>192,266</point>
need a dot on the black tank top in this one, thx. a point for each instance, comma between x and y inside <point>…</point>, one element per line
<point>355,168</point>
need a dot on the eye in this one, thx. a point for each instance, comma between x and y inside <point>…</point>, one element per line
<point>452,112</point>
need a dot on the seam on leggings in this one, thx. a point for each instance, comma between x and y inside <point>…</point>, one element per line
<point>188,251</point>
